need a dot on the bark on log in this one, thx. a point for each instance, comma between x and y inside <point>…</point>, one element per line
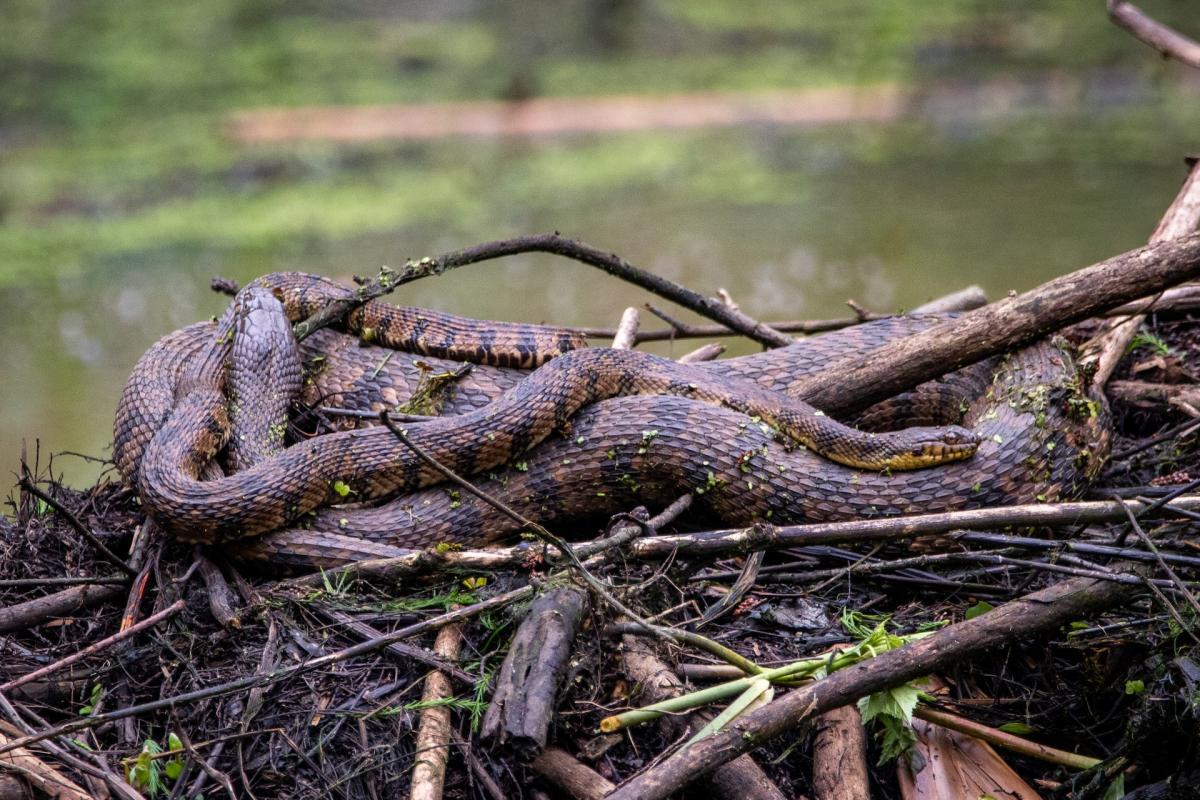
<point>1182,396</point>
<point>853,383</point>
<point>1032,614</point>
<point>38,610</point>
<point>522,705</point>
<point>840,756</point>
<point>564,771</point>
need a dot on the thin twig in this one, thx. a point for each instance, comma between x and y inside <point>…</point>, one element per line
<point>1165,40</point>
<point>608,262</point>
<point>95,647</point>
<point>1008,740</point>
<point>337,309</point>
<point>20,583</point>
<point>888,528</point>
<point>79,527</point>
<point>1162,564</point>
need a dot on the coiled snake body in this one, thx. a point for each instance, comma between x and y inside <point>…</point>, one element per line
<point>1036,437</point>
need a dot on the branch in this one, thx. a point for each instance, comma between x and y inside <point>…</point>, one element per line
<point>610,263</point>
<point>743,540</point>
<point>1167,41</point>
<point>853,383</point>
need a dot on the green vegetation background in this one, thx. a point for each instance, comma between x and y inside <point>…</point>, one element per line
<point>113,114</point>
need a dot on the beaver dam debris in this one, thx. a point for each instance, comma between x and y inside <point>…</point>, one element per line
<point>659,595</point>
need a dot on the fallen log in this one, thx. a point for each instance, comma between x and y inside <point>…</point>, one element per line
<point>526,690</point>
<point>39,609</point>
<point>853,383</point>
<point>840,756</point>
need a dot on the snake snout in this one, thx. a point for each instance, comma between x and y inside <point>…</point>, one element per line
<point>929,447</point>
<point>950,444</point>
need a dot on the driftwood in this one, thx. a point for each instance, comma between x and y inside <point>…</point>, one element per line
<point>1030,615</point>
<point>526,690</point>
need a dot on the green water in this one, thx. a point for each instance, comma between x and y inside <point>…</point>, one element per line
<point>121,196</point>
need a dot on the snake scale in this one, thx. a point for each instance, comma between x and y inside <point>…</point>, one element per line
<point>311,503</point>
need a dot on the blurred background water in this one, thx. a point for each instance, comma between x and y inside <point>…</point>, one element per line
<point>978,142</point>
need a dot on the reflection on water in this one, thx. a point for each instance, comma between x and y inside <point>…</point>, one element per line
<point>890,235</point>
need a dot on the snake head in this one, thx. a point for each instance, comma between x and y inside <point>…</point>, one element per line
<point>929,447</point>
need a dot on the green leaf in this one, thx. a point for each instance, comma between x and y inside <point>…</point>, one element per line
<point>1116,789</point>
<point>980,608</point>
<point>1017,728</point>
<point>93,700</point>
<point>143,773</point>
<point>341,488</point>
<point>896,738</point>
<point>893,709</point>
<point>897,702</point>
<point>1135,687</point>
